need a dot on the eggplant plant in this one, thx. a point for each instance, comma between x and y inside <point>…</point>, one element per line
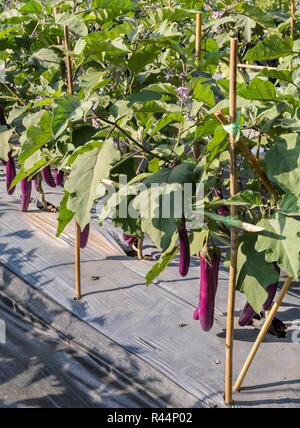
<point>143,106</point>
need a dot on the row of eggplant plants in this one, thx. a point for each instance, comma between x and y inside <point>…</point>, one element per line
<point>143,106</point>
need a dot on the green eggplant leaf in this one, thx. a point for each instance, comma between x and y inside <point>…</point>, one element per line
<point>87,172</point>
<point>254,274</point>
<point>281,242</point>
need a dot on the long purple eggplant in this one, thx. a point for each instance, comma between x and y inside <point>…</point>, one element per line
<point>248,312</point>
<point>272,289</point>
<point>185,257</point>
<point>209,271</point>
<point>84,236</point>
<point>223,210</point>
<point>2,115</point>
<point>26,187</point>
<point>59,176</point>
<point>47,176</point>
<point>35,181</point>
<point>247,315</point>
<point>10,174</point>
<point>130,240</point>
<point>2,123</point>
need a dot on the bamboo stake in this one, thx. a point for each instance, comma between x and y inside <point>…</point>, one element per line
<point>256,67</point>
<point>198,35</point>
<point>198,53</point>
<point>78,294</point>
<point>262,333</point>
<point>68,61</point>
<point>233,213</point>
<point>293,8</point>
<point>251,158</point>
<point>59,38</point>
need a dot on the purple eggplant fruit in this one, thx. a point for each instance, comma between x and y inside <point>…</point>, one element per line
<point>2,116</point>
<point>248,312</point>
<point>2,123</point>
<point>59,176</point>
<point>26,187</point>
<point>130,240</point>
<point>272,289</point>
<point>10,174</point>
<point>223,210</point>
<point>47,176</point>
<point>35,180</point>
<point>208,289</point>
<point>184,263</point>
<point>84,236</point>
<point>247,315</point>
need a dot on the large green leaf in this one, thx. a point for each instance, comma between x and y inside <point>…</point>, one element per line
<point>284,75</point>
<point>290,204</point>
<point>67,108</point>
<point>37,136</point>
<point>258,89</point>
<point>203,92</point>
<point>65,215</point>
<point>272,47</point>
<point>87,172</point>
<point>282,163</point>
<point>31,7</point>
<point>161,206</point>
<point>143,56</point>
<point>121,5</point>
<point>217,145</point>
<point>258,15</point>
<point>93,80</point>
<point>254,274</point>
<point>281,241</point>
<point>5,135</point>
<point>75,24</point>
<point>164,260</point>
<point>46,58</point>
<point>159,218</point>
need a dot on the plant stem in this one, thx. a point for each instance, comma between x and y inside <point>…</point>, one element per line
<point>13,93</point>
<point>133,141</point>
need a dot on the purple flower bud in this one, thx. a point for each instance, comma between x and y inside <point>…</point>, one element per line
<point>182,75</point>
<point>95,123</point>
<point>217,14</point>
<point>189,118</point>
<point>33,35</point>
<point>168,74</point>
<point>182,93</point>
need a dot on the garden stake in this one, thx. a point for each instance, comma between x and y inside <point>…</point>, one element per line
<point>198,35</point>
<point>292,19</point>
<point>59,39</point>
<point>233,213</point>
<point>251,158</point>
<point>262,333</point>
<point>256,67</point>
<point>78,294</point>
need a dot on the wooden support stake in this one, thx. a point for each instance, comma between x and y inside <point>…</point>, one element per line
<point>262,333</point>
<point>78,294</point>
<point>233,213</point>
<point>59,38</point>
<point>251,158</point>
<point>256,67</point>
<point>293,9</point>
<point>198,35</point>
